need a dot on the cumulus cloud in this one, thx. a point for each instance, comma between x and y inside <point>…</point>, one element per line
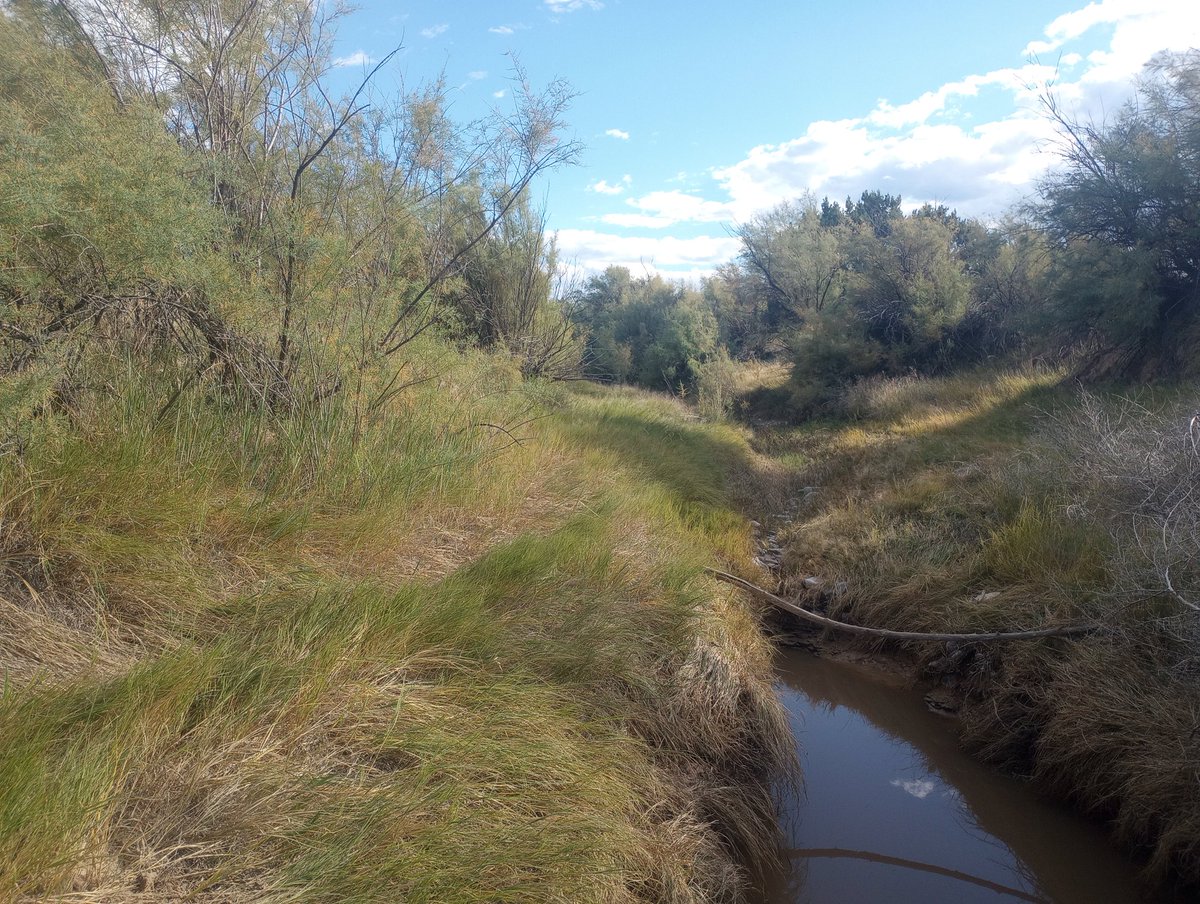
<point>1018,81</point>
<point>980,169</point>
<point>570,6</point>
<point>477,75</point>
<point>619,134</point>
<point>507,29</point>
<point>1078,22</point>
<point>592,250</point>
<point>499,94</point>
<point>660,209</point>
<point>434,30</point>
<point>604,188</point>
<point>358,58</point>
<point>930,149</point>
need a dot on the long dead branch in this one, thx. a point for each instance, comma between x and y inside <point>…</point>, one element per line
<point>824,621</point>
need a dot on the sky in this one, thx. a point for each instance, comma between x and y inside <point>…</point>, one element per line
<point>695,116</point>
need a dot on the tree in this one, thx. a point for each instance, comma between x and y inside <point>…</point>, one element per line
<point>102,236</point>
<point>653,333</point>
<point>877,209</point>
<point>601,293</point>
<point>796,258</point>
<point>513,297</point>
<point>733,296</point>
<point>1123,214</point>
<point>182,170</point>
<point>908,288</point>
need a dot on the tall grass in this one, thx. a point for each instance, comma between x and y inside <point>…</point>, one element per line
<point>453,650</point>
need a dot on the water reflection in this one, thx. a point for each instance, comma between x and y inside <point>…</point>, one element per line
<point>892,810</point>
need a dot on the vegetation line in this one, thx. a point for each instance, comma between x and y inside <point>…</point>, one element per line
<point>1065,631</point>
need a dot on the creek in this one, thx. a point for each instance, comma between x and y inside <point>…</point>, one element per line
<point>893,810</point>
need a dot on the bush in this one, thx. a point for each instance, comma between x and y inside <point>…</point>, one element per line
<point>648,332</point>
<point>1124,212</point>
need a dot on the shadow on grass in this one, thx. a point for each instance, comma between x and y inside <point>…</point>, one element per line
<point>691,462</point>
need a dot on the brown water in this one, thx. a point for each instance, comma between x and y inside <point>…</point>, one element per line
<point>892,810</point>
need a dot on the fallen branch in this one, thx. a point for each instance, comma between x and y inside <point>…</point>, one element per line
<point>824,621</point>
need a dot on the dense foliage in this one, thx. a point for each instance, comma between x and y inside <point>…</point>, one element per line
<point>1103,268</point>
<point>1124,217</point>
<point>646,331</point>
<point>181,178</point>
<point>865,289</point>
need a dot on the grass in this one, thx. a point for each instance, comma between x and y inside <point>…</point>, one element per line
<point>313,657</point>
<point>1005,499</point>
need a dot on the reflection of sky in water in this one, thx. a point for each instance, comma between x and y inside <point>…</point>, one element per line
<point>918,788</point>
<point>885,778</point>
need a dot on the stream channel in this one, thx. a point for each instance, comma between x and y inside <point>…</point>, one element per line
<point>892,810</point>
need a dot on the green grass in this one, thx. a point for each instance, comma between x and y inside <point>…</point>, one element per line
<point>312,657</point>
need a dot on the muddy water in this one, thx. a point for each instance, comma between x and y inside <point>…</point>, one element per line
<point>893,811</point>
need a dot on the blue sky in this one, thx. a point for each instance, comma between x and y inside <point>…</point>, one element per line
<point>695,115</point>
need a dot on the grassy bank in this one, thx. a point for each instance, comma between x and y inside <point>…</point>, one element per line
<point>457,648</point>
<point>1009,499</point>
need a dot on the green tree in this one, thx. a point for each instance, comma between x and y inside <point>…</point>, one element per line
<point>876,209</point>
<point>655,333</point>
<point>1123,213</point>
<point>908,289</point>
<point>101,232</point>
<point>739,307</point>
<point>508,299</point>
<point>797,260</point>
<point>353,217</point>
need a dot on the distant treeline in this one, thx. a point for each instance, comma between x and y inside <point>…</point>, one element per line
<point>1102,267</point>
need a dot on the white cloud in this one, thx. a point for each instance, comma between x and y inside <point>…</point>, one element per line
<point>499,94</point>
<point>570,6</point>
<point>604,188</point>
<point>619,134</point>
<point>979,169</point>
<point>688,257</point>
<point>1075,24</point>
<point>502,29</point>
<point>925,150</point>
<point>660,209</point>
<point>934,102</point>
<point>477,75</point>
<point>434,30</point>
<point>358,58</point>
